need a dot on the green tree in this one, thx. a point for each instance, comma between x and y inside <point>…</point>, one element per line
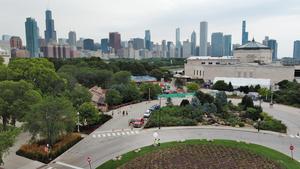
<point>51,118</point>
<point>88,113</point>
<point>154,90</point>
<point>129,92</point>
<point>209,108</point>
<point>204,98</point>
<point>15,99</point>
<point>157,73</point>
<point>7,139</point>
<point>79,95</point>
<point>195,102</point>
<point>220,85</point>
<point>247,102</point>
<point>230,87</point>
<point>122,77</point>
<point>113,97</point>
<point>221,101</point>
<point>192,87</point>
<point>253,113</point>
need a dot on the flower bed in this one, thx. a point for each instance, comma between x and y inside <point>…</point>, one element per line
<point>37,151</point>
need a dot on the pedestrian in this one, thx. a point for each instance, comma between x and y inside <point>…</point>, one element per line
<point>126,113</point>
<point>112,113</point>
<point>123,113</point>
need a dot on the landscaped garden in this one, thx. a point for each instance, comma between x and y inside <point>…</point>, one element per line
<point>203,154</point>
<point>204,109</point>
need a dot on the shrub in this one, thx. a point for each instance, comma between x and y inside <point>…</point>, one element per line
<point>192,87</point>
<point>36,151</point>
<point>269,123</point>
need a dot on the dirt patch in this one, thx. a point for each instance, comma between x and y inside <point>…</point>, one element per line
<point>201,157</point>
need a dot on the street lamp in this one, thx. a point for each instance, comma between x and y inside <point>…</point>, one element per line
<point>258,124</point>
<point>78,122</point>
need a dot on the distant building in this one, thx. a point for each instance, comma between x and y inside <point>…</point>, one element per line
<point>148,43</point>
<point>227,45</point>
<point>32,37</point>
<point>178,43</point>
<point>6,37</point>
<point>186,49</point>
<point>72,38</point>
<point>5,54</point>
<point>138,43</point>
<point>253,52</point>
<point>19,53</point>
<point>50,33</point>
<point>217,44</point>
<point>57,51</point>
<point>164,48</point>
<point>209,49</point>
<point>193,43</point>
<point>296,54</point>
<point>265,41</point>
<point>245,34</point>
<point>16,42</point>
<point>171,50</point>
<point>105,45</point>
<point>203,38</point>
<point>274,46</point>
<point>88,44</point>
<point>115,41</point>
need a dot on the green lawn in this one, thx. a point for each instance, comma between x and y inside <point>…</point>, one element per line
<point>271,154</point>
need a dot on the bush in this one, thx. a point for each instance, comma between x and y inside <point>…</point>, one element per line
<point>247,102</point>
<point>220,85</point>
<point>269,123</point>
<point>192,87</point>
<point>36,151</point>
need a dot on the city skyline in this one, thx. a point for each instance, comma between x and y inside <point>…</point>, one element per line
<point>132,27</point>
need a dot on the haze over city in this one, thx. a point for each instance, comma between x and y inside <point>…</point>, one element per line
<point>95,19</point>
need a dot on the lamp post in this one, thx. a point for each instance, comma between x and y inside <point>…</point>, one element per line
<point>159,113</point>
<point>78,130</point>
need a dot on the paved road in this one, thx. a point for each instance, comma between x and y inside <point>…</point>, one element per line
<point>101,149</point>
<point>290,116</point>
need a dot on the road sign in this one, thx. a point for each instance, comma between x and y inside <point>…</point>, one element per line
<point>155,134</point>
<point>292,149</point>
<point>89,159</point>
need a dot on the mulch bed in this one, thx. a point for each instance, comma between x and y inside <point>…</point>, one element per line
<point>201,157</point>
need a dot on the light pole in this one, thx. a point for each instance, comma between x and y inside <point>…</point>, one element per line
<point>78,130</point>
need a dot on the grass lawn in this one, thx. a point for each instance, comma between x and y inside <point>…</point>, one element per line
<point>264,152</point>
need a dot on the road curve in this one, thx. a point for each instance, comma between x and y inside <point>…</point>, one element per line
<point>101,149</point>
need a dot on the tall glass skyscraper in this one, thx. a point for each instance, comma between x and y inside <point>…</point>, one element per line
<point>105,45</point>
<point>50,33</point>
<point>244,34</point>
<point>72,39</point>
<point>274,46</point>
<point>217,44</point>
<point>32,37</point>
<point>178,43</point>
<point>193,43</point>
<point>148,44</point>
<point>227,45</point>
<point>203,38</point>
<point>296,54</point>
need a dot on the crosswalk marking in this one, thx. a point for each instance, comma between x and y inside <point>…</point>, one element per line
<point>115,133</point>
<point>118,133</point>
<point>292,136</point>
<point>108,135</point>
<point>128,133</point>
<point>67,165</point>
<point>99,135</point>
<point>123,133</point>
<point>103,135</point>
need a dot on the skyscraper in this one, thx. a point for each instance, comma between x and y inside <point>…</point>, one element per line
<point>115,41</point>
<point>178,43</point>
<point>72,39</point>
<point>164,48</point>
<point>186,49</point>
<point>15,42</point>
<point>50,33</point>
<point>148,43</point>
<point>105,45</point>
<point>203,38</point>
<point>227,45</point>
<point>32,37</point>
<point>88,44</point>
<point>217,44</point>
<point>193,43</point>
<point>138,43</point>
<point>296,54</point>
<point>244,34</point>
<point>265,41</point>
<point>274,46</point>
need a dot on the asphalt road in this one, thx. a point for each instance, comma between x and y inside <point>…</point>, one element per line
<point>116,138</point>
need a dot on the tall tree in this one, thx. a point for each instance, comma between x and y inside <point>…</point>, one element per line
<point>79,95</point>
<point>153,89</point>
<point>15,100</point>
<point>51,118</point>
<point>122,77</point>
<point>7,139</point>
<point>88,114</point>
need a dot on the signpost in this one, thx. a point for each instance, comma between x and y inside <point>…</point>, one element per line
<point>89,159</point>
<point>292,150</point>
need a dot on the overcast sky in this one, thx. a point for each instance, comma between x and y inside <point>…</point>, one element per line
<point>279,19</point>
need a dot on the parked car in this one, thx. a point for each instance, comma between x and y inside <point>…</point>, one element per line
<point>154,107</point>
<point>147,114</point>
<point>136,123</point>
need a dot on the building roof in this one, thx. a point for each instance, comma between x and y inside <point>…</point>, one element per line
<point>209,57</point>
<point>237,82</point>
<point>252,45</point>
<point>140,79</point>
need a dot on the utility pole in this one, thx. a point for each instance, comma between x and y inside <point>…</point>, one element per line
<point>149,96</point>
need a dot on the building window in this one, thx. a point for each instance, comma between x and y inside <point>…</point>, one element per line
<point>239,74</point>
<point>203,63</point>
<point>200,72</point>
<point>197,72</point>
<point>251,74</point>
<point>194,72</point>
<point>210,63</point>
<point>245,74</point>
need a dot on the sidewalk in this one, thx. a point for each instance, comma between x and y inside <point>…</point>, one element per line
<point>13,161</point>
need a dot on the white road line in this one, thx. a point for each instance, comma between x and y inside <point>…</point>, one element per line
<point>113,134</point>
<point>103,135</point>
<point>137,132</point>
<point>49,167</point>
<point>118,133</point>
<point>128,133</point>
<point>123,133</point>
<point>108,134</point>
<point>94,136</point>
<point>99,135</point>
<point>132,132</point>
<point>292,136</point>
<point>67,165</point>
